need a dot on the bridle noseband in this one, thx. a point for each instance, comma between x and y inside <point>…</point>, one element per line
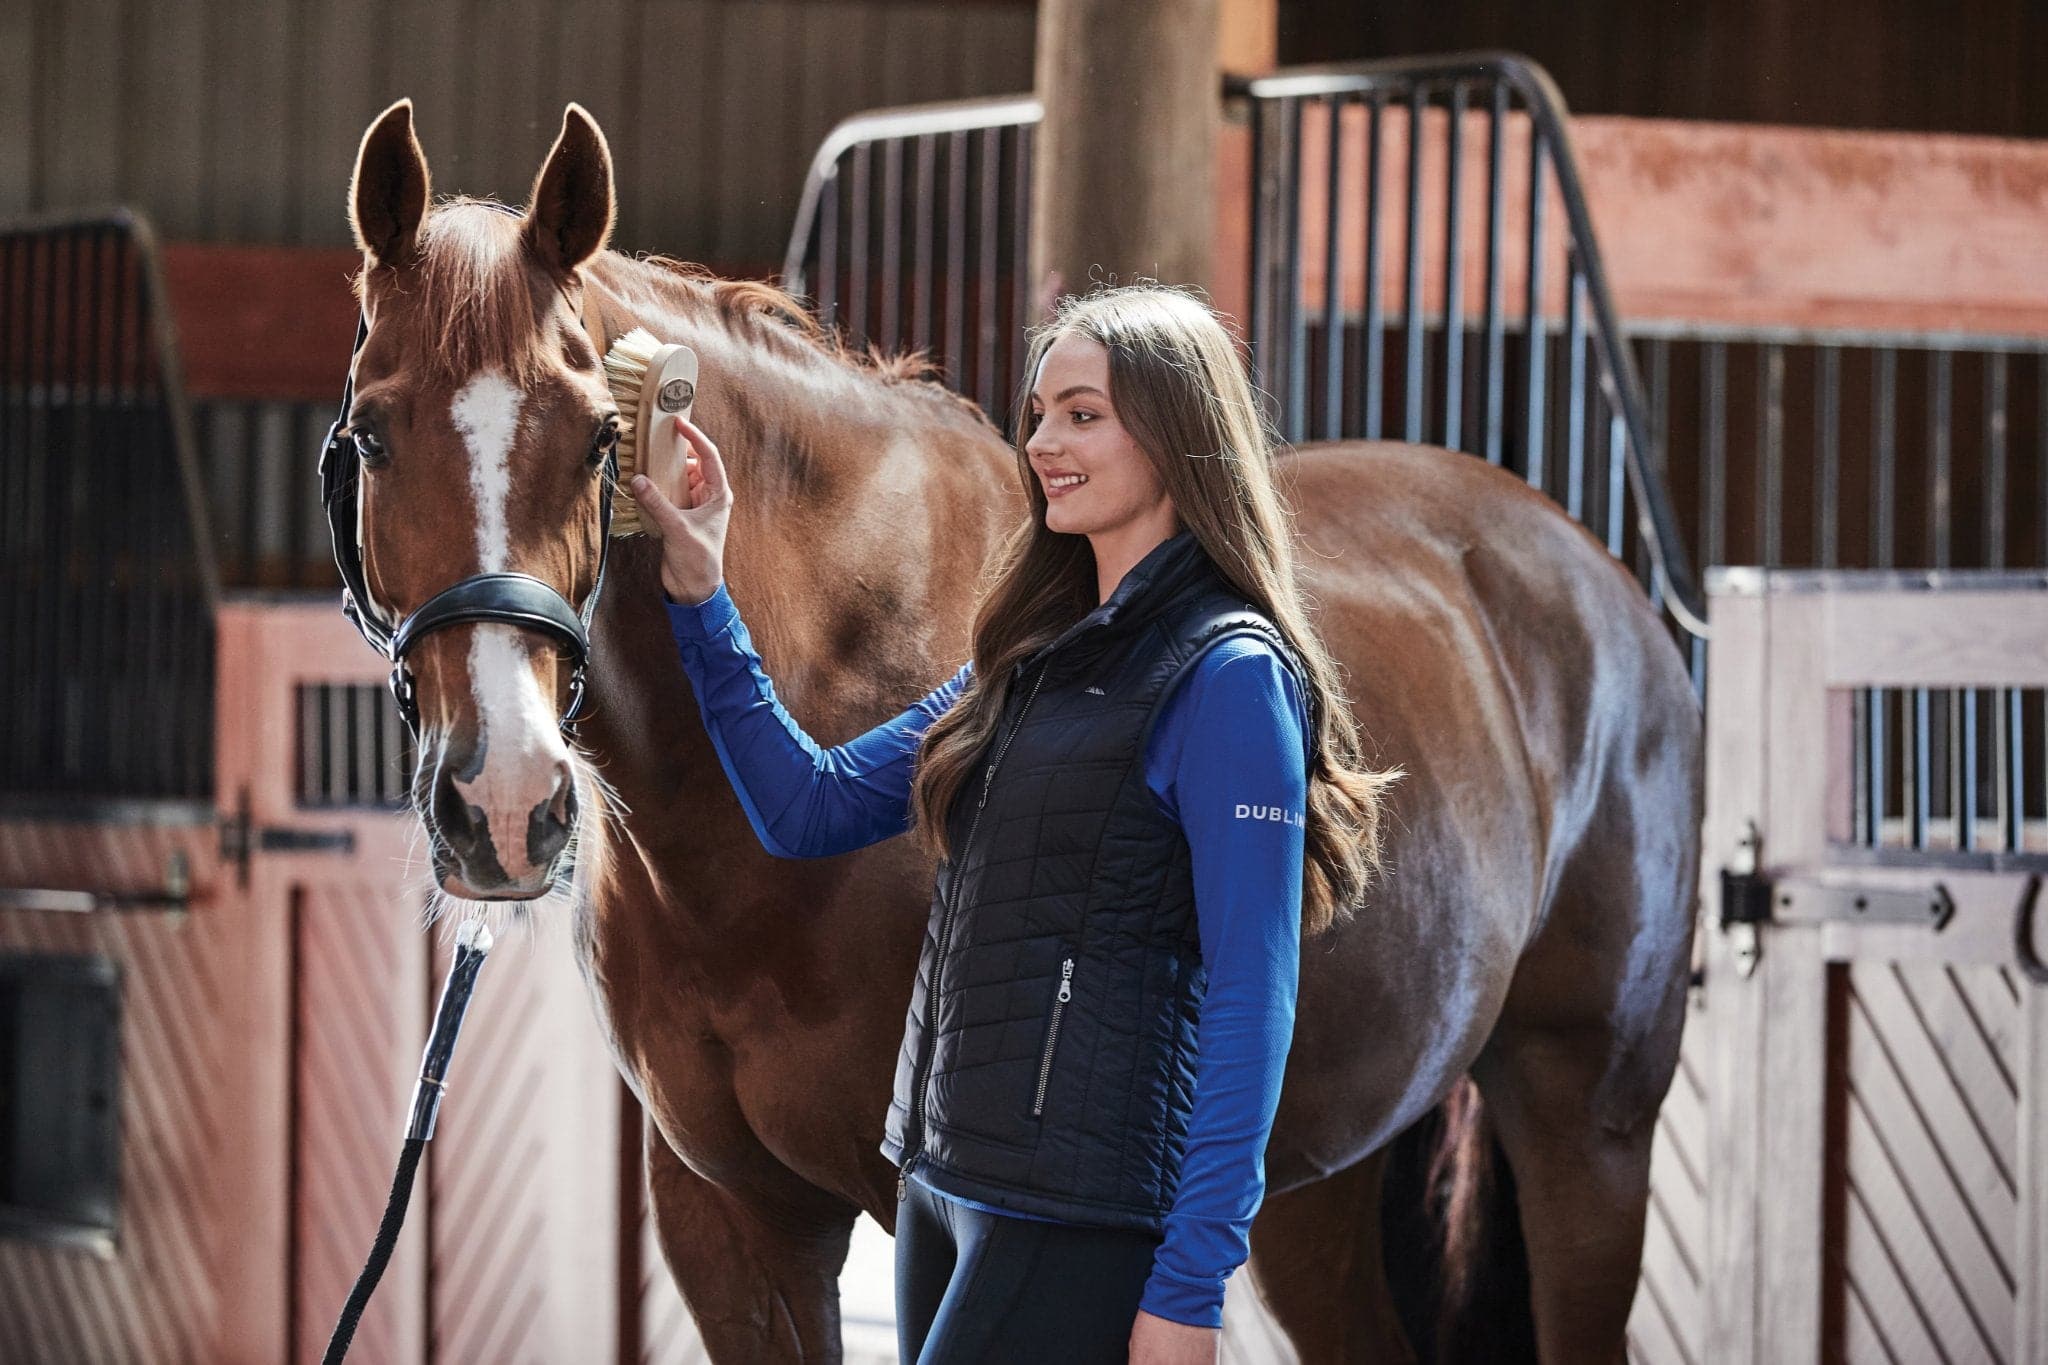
<point>513,599</point>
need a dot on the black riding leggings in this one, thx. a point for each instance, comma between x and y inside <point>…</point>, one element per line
<point>979,1288</point>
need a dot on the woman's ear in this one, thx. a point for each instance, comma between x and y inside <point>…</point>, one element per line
<point>574,207</point>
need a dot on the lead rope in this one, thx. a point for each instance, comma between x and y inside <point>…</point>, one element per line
<point>472,942</point>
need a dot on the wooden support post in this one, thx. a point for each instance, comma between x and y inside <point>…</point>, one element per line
<point>1124,172</point>
<point>1734,1009</point>
<point>1792,974</point>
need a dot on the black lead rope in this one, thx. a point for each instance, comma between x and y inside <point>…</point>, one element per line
<point>472,941</point>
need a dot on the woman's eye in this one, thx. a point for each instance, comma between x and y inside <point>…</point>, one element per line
<point>369,445</point>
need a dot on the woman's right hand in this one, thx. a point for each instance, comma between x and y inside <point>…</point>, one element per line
<point>692,535</point>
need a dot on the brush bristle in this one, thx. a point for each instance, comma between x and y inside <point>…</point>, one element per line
<point>625,368</point>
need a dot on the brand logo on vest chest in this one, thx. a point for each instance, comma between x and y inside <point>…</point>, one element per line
<point>1278,814</point>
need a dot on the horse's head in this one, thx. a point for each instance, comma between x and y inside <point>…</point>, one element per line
<point>481,419</point>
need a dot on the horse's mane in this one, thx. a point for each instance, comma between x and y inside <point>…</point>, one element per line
<point>482,311</point>
<point>765,313</point>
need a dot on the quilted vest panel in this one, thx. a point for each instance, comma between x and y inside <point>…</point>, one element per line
<point>1052,1070</point>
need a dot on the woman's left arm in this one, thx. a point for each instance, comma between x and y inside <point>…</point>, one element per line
<point>1240,787</point>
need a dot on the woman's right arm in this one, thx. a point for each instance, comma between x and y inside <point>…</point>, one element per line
<point>803,801</point>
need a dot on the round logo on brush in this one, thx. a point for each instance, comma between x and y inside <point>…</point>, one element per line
<point>676,395</point>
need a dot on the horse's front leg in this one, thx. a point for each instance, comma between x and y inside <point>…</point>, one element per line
<point>760,1276</point>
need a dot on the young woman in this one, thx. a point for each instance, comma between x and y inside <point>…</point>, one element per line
<point>1143,790</point>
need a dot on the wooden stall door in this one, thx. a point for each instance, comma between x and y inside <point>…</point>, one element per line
<point>511,1251</point>
<point>1874,1155</point>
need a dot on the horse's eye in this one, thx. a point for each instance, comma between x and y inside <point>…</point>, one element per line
<point>607,441</point>
<point>369,446</point>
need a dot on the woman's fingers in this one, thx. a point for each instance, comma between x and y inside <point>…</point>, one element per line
<point>710,465</point>
<point>655,508</point>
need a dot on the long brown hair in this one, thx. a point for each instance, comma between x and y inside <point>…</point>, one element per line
<point>1178,385</point>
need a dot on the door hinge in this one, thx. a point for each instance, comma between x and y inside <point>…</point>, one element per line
<point>1745,899</point>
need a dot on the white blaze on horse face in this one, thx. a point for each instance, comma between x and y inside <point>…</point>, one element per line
<point>518,739</point>
<point>486,412</point>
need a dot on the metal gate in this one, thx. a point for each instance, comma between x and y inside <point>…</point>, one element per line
<point>913,232</point>
<point>1468,308</point>
<point>107,579</point>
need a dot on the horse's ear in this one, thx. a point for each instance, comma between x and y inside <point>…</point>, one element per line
<point>387,197</point>
<point>573,206</point>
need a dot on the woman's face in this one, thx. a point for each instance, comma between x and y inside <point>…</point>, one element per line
<point>1095,475</point>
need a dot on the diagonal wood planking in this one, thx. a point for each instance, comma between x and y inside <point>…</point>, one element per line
<point>1668,1323</point>
<point>1932,1223</point>
<point>360,1024</point>
<point>154,1299</point>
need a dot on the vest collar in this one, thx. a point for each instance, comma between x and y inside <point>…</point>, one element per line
<point>1167,569</point>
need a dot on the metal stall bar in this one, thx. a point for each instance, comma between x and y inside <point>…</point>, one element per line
<point>1454,280</point>
<point>1333,273</point>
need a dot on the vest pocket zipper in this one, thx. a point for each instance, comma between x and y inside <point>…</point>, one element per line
<point>1052,1034</point>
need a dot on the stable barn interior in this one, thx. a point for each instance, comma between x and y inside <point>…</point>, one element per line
<point>1796,378</point>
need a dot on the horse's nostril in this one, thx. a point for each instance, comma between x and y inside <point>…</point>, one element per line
<point>562,805</point>
<point>548,827</point>
<point>453,816</point>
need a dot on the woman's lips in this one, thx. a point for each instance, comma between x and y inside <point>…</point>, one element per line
<point>1060,490</point>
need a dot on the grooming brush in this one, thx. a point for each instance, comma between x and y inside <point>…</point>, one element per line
<point>651,382</point>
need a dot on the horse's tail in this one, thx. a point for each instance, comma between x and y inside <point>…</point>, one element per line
<point>1460,1177</point>
<point>1482,1301</point>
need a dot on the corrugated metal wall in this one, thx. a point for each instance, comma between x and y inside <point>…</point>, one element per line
<point>237,120</point>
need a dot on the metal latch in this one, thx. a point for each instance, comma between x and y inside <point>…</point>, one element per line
<point>240,838</point>
<point>1802,901</point>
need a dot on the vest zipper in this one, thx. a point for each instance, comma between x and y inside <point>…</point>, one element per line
<point>931,1004</point>
<point>1052,1034</point>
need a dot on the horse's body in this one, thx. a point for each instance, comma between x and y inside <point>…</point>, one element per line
<point>1534,930</point>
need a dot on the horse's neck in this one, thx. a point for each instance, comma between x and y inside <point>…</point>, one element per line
<point>853,598</point>
<point>770,413</point>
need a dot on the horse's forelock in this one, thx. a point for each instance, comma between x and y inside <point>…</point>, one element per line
<point>472,296</point>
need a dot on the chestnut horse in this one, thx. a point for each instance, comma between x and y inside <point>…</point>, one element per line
<point>1533,934</point>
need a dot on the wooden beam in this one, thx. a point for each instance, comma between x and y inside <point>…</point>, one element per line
<point>1248,37</point>
<point>1124,174</point>
<point>266,322</point>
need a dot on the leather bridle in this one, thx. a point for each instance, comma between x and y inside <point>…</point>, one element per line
<point>514,599</point>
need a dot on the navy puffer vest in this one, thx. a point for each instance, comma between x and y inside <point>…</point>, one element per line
<point>1048,1063</point>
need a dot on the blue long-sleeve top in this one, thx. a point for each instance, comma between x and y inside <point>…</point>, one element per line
<point>1227,760</point>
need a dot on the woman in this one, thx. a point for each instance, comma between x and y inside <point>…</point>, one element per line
<point>1128,789</point>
